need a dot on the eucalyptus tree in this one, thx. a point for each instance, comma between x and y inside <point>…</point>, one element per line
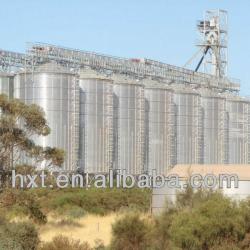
<point>20,123</point>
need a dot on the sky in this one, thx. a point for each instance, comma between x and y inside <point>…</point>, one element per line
<point>162,30</point>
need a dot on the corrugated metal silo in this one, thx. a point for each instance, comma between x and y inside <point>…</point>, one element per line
<point>239,130</point>
<point>96,124</point>
<point>188,127</point>
<point>215,128</point>
<point>6,84</point>
<point>129,131</point>
<point>160,140</point>
<point>56,90</point>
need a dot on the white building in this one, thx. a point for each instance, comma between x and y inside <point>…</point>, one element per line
<point>232,180</point>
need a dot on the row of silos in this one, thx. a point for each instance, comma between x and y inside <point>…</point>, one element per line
<point>107,123</point>
<point>111,125</point>
<point>99,122</point>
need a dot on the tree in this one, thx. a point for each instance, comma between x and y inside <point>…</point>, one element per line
<point>19,123</point>
<point>26,201</point>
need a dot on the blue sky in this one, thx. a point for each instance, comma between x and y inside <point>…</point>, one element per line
<point>163,30</point>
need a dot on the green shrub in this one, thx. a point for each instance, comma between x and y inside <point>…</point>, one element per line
<point>130,233</point>
<point>98,201</point>
<point>208,224</point>
<point>226,246</point>
<point>161,235</point>
<point>64,243</point>
<point>75,212</point>
<point>18,236</point>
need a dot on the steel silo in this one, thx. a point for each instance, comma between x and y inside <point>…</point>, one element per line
<point>96,124</point>
<point>56,90</point>
<point>6,84</point>
<point>239,130</point>
<point>129,127</point>
<point>160,140</point>
<point>188,126</point>
<point>215,128</point>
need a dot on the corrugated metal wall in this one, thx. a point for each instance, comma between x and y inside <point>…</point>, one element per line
<point>215,127</point>
<point>129,137</point>
<point>96,125</point>
<point>239,130</point>
<point>160,141</point>
<point>188,127</point>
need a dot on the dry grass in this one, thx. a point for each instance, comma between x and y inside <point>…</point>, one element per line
<point>86,229</point>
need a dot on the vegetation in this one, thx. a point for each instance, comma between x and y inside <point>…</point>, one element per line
<point>98,201</point>
<point>17,236</point>
<point>72,203</point>
<point>19,123</point>
<point>63,243</point>
<point>208,224</point>
<point>131,232</point>
<point>201,221</point>
<point>19,202</point>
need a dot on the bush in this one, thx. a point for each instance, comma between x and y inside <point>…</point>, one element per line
<point>18,236</point>
<point>202,220</point>
<point>226,246</point>
<point>99,245</point>
<point>75,212</point>
<point>24,203</point>
<point>206,220</point>
<point>98,201</point>
<point>161,235</point>
<point>64,243</point>
<point>68,223</point>
<point>130,233</point>
<point>245,244</point>
<point>36,203</point>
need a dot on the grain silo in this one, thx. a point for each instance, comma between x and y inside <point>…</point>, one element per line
<point>188,126</point>
<point>239,129</point>
<point>96,123</point>
<point>160,140</point>
<point>6,84</point>
<point>129,126</point>
<point>56,90</point>
<point>215,128</point>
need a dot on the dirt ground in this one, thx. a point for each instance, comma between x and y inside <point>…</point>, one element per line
<point>88,228</point>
